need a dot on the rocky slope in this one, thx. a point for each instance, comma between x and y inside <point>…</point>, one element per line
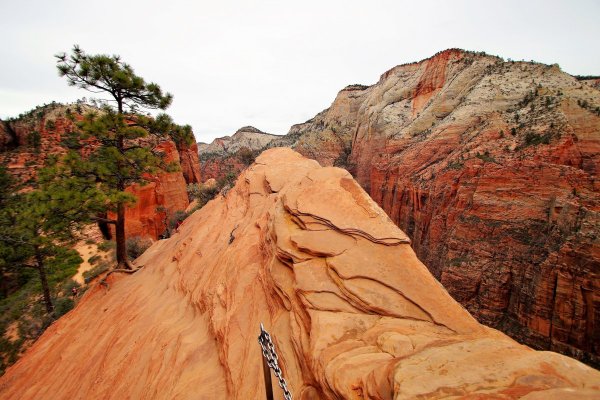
<point>491,168</point>
<point>232,153</point>
<point>26,142</point>
<point>353,312</point>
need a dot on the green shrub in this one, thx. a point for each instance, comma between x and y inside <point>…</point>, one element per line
<point>202,194</point>
<point>63,305</point>
<point>89,275</point>
<point>177,217</point>
<point>455,165</point>
<point>533,139</point>
<point>69,285</point>
<point>246,155</point>
<point>24,307</point>
<point>136,246</point>
<point>34,140</point>
<point>107,245</point>
<point>94,259</point>
<point>227,180</point>
<point>486,157</point>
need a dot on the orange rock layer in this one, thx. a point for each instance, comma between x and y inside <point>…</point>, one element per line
<point>219,167</point>
<point>491,168</point>
<point>303,249</point>
<point>165,191</point>
<point>158,200</point>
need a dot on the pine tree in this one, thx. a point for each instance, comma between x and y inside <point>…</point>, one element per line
<point>112,148</point>
<point>36,228</point>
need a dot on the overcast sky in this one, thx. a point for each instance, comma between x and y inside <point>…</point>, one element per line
<point>272,64</point>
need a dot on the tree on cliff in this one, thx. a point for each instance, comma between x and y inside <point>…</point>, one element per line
<point>34,227</point>
<point>115,148</point>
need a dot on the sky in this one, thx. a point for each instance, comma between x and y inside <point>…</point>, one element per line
<point>272,64</point>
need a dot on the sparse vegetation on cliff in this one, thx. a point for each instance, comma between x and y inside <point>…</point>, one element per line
<point>36,263</point>
<point>44,208</point>
<point>136,246</point>
<point>202,193</point>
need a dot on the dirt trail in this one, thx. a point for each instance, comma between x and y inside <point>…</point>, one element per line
<point>86,251</point>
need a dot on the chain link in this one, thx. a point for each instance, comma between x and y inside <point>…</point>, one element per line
<point>268,350</point>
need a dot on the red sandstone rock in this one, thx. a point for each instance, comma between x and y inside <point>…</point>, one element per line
<point>217,168</point>
<point>190,165</point>
<point>491,168</point>
<point>352,311</point>
<point>158,200</point>
<point>167,190</point>
<point>504,221</point>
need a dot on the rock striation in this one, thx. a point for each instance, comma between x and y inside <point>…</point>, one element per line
<point>491,168</point>
<point>26,142</point>
<point>353,312</point>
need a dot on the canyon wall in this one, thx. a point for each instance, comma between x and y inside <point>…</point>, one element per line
<point>232,154</point>
<point>218,167</point>
<point>27,141</point>
<point>351,310</point>
<point>491,168</point>
<point>493,174</point>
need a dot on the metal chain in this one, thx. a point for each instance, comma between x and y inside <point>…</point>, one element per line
<point>268,350</point>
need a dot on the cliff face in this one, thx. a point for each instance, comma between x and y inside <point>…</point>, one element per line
<point>232,153</point>
<point>248,137</point>
<point>27,141</point>
<point>328,137</point>
<point>190,164</point>
<point>491,168</point>
<point>353,313</point>
<point>158,200</point>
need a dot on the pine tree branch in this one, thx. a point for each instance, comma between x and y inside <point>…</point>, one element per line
<point>105,220</point>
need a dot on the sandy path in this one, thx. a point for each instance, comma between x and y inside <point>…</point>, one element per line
<point>85,251</point>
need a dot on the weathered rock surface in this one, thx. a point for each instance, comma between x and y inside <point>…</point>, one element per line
<point>303,249</point>
<point>158,200</point>
<point>491,168</point>
<point>190,164</point>
<point>26,142</point>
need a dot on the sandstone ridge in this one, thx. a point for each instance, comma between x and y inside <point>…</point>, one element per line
<point>353,312</point>
<point>491,168</point>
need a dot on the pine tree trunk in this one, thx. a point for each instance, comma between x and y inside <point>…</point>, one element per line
<point>122,260</point>
<point>45,287</point>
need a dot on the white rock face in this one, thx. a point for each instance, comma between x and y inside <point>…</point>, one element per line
<point>248,136</point>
